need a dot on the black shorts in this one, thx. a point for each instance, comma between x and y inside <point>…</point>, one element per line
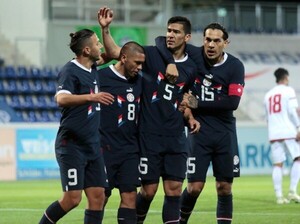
<point>122,171</point>
<point>163,156</point>
<point>78,171</point>
<point>218,148</point>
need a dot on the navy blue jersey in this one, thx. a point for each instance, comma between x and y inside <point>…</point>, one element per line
<point>118,122</point>
<point>218,89</point>
<point>79,123</point>
<point>159,112</point>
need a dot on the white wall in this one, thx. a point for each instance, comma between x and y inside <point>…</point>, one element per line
<point>23,23</point>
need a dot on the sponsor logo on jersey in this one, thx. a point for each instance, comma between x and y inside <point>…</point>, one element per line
<point>129,90</point>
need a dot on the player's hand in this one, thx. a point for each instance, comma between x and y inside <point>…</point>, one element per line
<point>105,16</point>
<point>103,97</point>
<point>189,100</point>
<point>194,125</point>
<point>172,73</point>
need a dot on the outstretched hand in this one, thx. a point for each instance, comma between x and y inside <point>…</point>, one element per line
<point>105,16</point>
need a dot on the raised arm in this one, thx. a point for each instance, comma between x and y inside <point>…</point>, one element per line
<point>171,70</point>
<point>105,17</point>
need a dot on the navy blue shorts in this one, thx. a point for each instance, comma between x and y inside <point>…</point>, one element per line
<point>163,156</point>
<point>122,171</point>
<point>219,149</point>
<point>78,171</point>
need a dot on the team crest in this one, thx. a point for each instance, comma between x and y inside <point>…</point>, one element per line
<point>206,82</point>
<point>130,97</point>
<point>236,160</point>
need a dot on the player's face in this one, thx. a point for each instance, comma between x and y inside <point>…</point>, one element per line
<point>95,48</point>
<point>133,64</point>
<point>214,45</point>
<point>176,37</point>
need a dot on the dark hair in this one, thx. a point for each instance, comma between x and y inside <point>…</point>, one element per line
<point>132,46</point>
<point>187,27</point>
<point>79,39</point>
<point>217,26</point>
<point>280,74</point>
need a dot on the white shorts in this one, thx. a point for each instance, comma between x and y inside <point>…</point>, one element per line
<point>280,149</point>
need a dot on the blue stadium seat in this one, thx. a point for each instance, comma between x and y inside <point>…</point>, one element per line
<point>37,86</point>
<point>22,72</point>
<point>14,101</point>
<point>31,117</point>
<point>40,102</point>
<point>10,71</point>
<point>50,86</point>
<point>44,116</point>
<point>2,73</point>
<point>47,72</point>
<point>2,91</point>
<point>27,103</point>
<point>57,115</point>
<point>11,86</point>
<point>23,87</point>
<point>35,73</point>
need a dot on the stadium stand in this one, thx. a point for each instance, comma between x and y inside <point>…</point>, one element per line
<point>30,93</point>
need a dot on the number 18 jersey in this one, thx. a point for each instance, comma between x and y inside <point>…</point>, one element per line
<point>280,104</point>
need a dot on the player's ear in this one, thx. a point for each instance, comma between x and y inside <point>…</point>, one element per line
<point>86,50</point>
<point>226,42</point>
<point>188,37</point>
<point>123,58</point>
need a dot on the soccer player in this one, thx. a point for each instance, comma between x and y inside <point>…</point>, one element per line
<point>215,95</point>
<point>161,124</point>
<point>77,145</point>
<point>118,127</point>
<point>284,131</point>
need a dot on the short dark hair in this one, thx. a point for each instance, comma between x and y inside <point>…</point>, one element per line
<point>217,26</point>
<point>133,47</point>
<point>79,40</point>
<point>280,74</point>
<point>187,26</point>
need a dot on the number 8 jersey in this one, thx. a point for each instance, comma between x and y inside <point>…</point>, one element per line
<point>118,122</point>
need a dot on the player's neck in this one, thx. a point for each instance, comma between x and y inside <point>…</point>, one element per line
<point>85,62</point>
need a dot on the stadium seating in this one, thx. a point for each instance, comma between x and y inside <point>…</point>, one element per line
<point>29,92</point>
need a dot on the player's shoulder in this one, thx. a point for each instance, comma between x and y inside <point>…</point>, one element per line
<point>68,69</point>
<point>234,60</point>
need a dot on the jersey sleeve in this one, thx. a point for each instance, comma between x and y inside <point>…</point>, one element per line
<point>160,42</point>
<point>66,83</point>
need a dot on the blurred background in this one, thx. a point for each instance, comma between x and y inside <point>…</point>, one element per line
<point>34,38</point>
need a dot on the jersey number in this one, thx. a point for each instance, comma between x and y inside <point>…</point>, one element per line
<point>191,166</point>
<point>131,112</point>
<point>72,175</point>
<point>143,167</point>
<point>207,94</point>
<point>168,89</point>
<point>275,104</point>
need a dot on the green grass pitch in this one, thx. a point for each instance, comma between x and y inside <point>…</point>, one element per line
<point>254,203</point>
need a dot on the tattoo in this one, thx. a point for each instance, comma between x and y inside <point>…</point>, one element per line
<point>192,102</point>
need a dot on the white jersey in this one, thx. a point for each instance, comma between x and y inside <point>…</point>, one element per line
<point>281,109</point>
